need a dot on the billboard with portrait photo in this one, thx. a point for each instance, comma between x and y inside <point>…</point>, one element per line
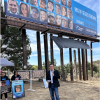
<point>64,22</point>
<point>37,11</point>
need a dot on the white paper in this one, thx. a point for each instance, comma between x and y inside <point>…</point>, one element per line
<point>45,83</point>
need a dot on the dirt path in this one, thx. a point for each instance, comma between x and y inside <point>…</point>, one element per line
<point>77,90</point>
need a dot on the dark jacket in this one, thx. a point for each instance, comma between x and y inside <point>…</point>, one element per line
<point>17,77</point>
<point>3,78</point>
<point>55,78</point>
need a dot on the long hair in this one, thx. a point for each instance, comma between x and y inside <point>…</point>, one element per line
<point>26,7</point>
<point>15,72</point>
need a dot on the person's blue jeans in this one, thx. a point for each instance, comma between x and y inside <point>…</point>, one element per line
<point>53,89</point>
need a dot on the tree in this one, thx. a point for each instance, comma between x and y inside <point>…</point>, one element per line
<point>11,46</point>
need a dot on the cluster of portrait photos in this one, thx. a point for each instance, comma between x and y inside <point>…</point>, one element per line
<point>57,12</point>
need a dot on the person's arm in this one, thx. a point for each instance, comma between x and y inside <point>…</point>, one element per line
<point>56,75</point>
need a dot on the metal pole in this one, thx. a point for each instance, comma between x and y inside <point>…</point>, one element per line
<point>75,63</point>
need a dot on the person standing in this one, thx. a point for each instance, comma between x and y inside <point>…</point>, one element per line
<point>3,78</point>
<point>52,79</point>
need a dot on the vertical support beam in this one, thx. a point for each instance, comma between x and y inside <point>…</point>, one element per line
<point>86,63</point>
<point>51,50</point>
<point>61,60</point>
<point>75,63</point>
<point>39,51</point>
<point>91,60</point>
<point>79,63</point>
<point>70,58</point>
<point>24,48</point>
<point>46,52</point>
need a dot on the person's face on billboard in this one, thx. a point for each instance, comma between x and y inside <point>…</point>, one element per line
<point>50,6</point>
<point>24,10</point>
<point>18,89</point>
<point>51,19</point>
<point>35,13</point>
<point>69,4</point>
<point>64,2</point>
<point>64,13</point>
<point>57,9</point>
<point>70,13</point>
<point>58,20</point>
<point>12,5</point>
<point>34,2</point>
<point>64,22</point>
<point>43,15</point>
<point>71,24</point>
<point>25,1</point>
<point>57,1</point>
<point>43,4</point>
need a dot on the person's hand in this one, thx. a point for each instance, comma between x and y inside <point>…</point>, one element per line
<point>48,81</point>
<point>52,74</point>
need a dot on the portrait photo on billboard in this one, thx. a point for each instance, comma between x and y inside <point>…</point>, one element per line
<point>51,18</point>
<point>34,2</point>
<point>43,16</point>
<point>26,1</point>
<point>70,14</point>
<point>50,6</point>
<point>64,22</point>
<point>18,89</point>
<point>70,24</point>
<point>34,12</point>
<point>13,7</point>
<point>57,9</point>
<point>64,11</point>
<point>42,4</point>
<point>58,20</point>
<point>57,1</point>
<point>24,10</point>
<point>69,3</point>
<point>63,2</point>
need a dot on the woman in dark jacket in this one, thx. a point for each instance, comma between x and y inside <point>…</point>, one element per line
<point>16,76</point>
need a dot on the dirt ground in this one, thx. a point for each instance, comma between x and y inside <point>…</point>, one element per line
<point>77,90</point>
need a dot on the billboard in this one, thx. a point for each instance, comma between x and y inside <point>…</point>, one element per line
<point>18,89</point>
<point>66,14</point>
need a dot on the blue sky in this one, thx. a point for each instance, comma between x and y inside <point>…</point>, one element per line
<point>92,4</point>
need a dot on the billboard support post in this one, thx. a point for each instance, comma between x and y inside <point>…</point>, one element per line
<point>91,60</point>
<point>46,52</point>
<point>51,50</point>
<point>39,51</point>
<point>24,48</point>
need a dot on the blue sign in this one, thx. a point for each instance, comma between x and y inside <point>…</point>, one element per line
<point>67,14</point>
<point>17,89</point>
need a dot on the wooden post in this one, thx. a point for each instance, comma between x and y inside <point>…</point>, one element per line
<point>91,60</point>
<point>86,63</point>
<point>39,51</point>
<point>75,63</point>
<point>51,50</point>
<point>79,63</point>
<point>61,60</point>
<point>46,52</point>
<point>24,48</point>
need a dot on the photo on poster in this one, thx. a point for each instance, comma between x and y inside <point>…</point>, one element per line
<point>18,89</point>
<point>70,24</point>
<point>13,7</point>
<point>64,11</point>
<point>57,1</point>
<point>51,18</point>
<point>63,2</point>
<point>58,20</point>
<point>43,16</point>
<point>50,6</point>
<point>34,12</point>
<point>24,10</point>
<point>57,9</point>
<point>42,4</point>
<point>69,3</point>
<point>34,2</point>
<point>26,1</point>
<point>70,15</point>
<point>64,22</point>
